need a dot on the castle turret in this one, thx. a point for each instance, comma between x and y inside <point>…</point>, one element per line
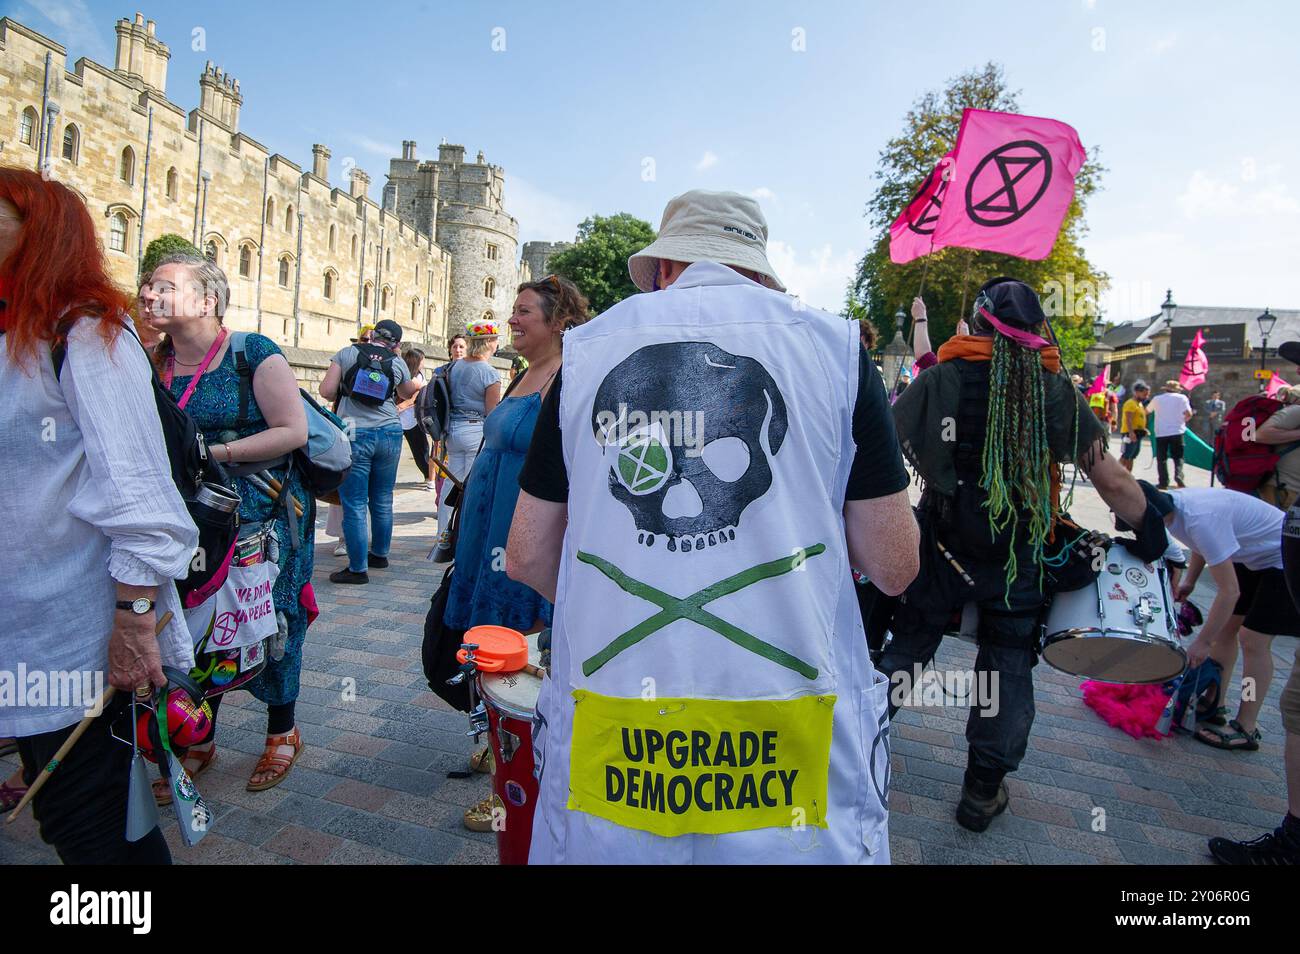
<point>320,162</point>
<point>360,183</point>
<point>140,54</point>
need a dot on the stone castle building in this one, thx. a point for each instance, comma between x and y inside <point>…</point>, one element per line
<point>461,206</point>
<point>308,261</point>
<point>537,256</point>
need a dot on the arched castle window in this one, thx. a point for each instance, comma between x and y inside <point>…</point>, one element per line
<point>417,273</point>
<point>415,312</point>
<point>210,251</point>
<point>384,297</point>
<point>270,209</point>
<point>117,231</point>
<point>491,252</point>
<point>214,249</point>
<point>126,166</point>
<point>334,235</point>
<point>173,183</point>
<point>388,260</point>
<point>354,246</point>
<point>245,260</point>
<point>489,288</point>
<point>365,294</point>
<point>71,143</point>
<point>487,315</point>
<point>328,284</point>
<point>288,218</point>
<point>27,127</point>
<point>283,276</point>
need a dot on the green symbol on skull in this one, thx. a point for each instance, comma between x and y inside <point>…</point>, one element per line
<point>644,464</point>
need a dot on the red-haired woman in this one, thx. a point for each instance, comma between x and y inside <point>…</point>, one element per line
<point>93,531</point>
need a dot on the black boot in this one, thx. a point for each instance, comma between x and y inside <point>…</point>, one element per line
<point>982,800</point>
<point>1278,847</point>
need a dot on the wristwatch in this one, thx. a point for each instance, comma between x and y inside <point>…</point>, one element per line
<point>138,606</point>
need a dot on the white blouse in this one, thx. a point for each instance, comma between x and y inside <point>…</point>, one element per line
<point>86,499</point>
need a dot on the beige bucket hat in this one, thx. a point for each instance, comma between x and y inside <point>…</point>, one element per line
<point>700,226</point>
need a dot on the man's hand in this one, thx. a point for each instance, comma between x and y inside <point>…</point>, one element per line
<point>133,657</point>
<point>1200,650</point>
<point>1184,591</point>
<point>918,309</point>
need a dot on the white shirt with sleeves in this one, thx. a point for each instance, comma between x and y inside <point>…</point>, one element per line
<point>87,500</point>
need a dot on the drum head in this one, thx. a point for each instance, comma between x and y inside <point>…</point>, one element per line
<point>513,693</point>
<point>1115,657</point>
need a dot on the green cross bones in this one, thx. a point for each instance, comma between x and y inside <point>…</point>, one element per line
<point>692,608</point>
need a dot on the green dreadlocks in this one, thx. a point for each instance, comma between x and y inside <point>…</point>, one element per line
<point>1017,473</point>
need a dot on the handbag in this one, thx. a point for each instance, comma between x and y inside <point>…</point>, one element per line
<point>438,650</point>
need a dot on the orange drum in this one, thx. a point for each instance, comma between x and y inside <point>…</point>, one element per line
<point>510,698</point>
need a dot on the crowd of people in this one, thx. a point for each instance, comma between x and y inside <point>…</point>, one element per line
<point>698,501</point>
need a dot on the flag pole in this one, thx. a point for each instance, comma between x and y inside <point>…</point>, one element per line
<point>970,253</point>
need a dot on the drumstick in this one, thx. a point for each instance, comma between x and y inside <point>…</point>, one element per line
<point>272,492</point>
<point>446,473</point>
<point>534,671</point>
<point>71,740</point>
<point>955,565</point>
<point>278,488</point>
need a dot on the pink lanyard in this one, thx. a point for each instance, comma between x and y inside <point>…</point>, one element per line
<point>207,359</point>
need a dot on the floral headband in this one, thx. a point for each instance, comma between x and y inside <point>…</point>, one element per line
<point>483,328</point>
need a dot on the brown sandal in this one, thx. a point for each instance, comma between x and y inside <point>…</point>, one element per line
<point>162,788</point>
<point>272,760</point>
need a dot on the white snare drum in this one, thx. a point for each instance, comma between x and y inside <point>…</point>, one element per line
<point>1119,629</point>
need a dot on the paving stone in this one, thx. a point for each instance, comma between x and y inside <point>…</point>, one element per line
<point>302,844</point>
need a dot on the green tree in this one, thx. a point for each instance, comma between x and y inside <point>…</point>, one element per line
<point>597,262</point>
<point>166,244</point>
<point>1067,281</point>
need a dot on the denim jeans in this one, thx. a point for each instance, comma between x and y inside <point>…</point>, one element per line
<point>463,443</point>
<point>376,452</point>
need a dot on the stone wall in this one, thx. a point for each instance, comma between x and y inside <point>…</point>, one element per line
<point>1234,378</point>
<point>249,235</point>
<point>309,365</point>
<point>537,256</point>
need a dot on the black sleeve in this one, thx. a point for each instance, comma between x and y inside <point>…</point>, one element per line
<point>543,475</point>
<point>877,469</point>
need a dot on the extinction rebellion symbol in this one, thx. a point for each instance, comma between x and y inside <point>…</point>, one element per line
<point>1009,182</point>
<point>925,220</point>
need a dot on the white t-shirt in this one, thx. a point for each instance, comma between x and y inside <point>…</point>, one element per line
<point>1222,524</point>
<point>407,415</point>
<point>1169,408</point>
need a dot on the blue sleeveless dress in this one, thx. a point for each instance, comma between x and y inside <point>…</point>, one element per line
<point>481,593</point>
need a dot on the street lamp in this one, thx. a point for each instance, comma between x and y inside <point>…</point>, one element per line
<point>1266,322</point>
<point>900,318</point>
<point>1168,308</point>
<point>1098,327</point>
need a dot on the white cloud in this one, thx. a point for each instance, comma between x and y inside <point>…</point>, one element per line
<point>1166,42</point>
<point>75,28</point>
<point>385,149</point>
<point>707,161</point>
<point>542,215</point>
<point>819,275</point>
<point>1206,196</point>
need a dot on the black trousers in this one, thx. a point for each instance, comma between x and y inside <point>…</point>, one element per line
<point>418,441</point>
<point>1167,447</point>
<point>82,808</point>
<point>997,729</point>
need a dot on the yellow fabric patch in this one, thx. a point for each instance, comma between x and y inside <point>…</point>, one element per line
<point>701,766</point>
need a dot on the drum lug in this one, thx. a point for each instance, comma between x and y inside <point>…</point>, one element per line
<point>478,722</point>
<point>509,743</point>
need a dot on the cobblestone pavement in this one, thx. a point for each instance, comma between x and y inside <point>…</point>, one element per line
<point>372,787</point>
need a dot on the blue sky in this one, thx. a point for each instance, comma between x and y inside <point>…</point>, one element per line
<point>1189,102</point>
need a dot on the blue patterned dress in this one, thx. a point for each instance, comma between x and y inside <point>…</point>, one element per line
<point>214,405</point>
<point>481,593</point>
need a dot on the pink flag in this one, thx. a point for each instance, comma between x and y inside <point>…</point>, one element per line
<point>1196,365</point>
<point>1098,383</point>
<point>912,234</point>
<point>1275,384</point>
<point>1012,182</point>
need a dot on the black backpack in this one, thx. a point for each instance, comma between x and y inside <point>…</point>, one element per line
<point>191,468</point>
<point>371,380</point>
<point>433,404</point>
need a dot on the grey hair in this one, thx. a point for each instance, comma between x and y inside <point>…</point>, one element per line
<point>204,272</point>
<point>477,346</point>
<point>1140,384</point>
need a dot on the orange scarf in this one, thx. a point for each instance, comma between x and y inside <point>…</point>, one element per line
<point>980,348</point>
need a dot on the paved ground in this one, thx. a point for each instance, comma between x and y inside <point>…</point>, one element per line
<point>371,785</point>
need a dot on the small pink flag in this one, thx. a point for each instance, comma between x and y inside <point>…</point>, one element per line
<point>1275,384</point>
<point>1098,383</point>
<point>912,234</point>
<point>1196,365</point>
<point>1012,183</point>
